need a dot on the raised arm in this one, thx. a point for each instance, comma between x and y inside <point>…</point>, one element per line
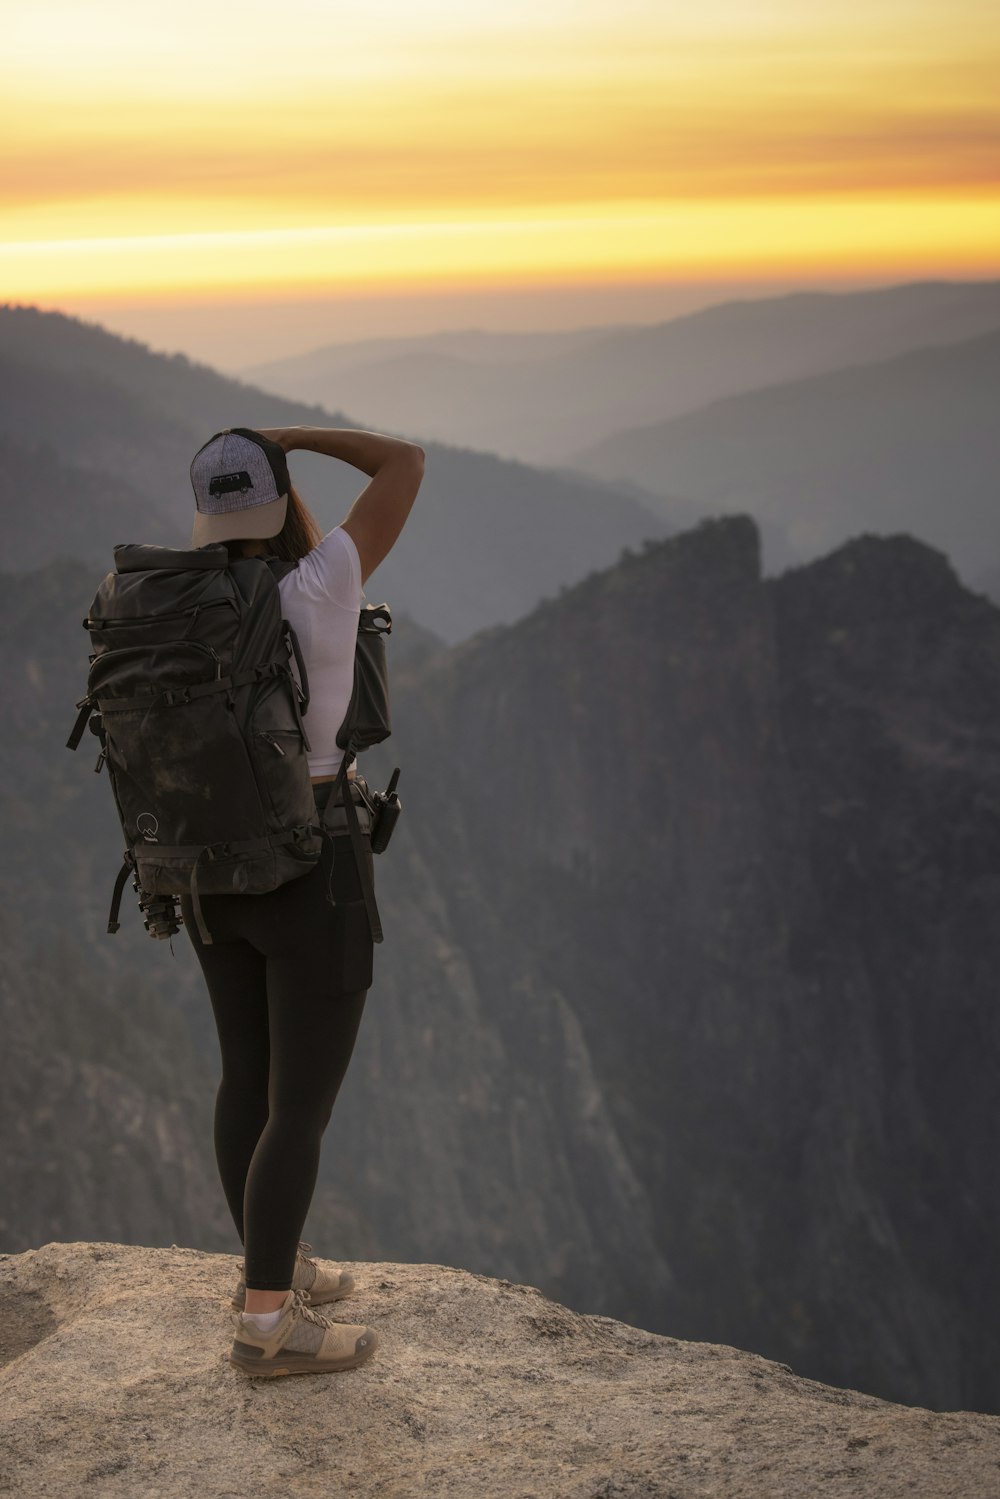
<point>396,467</point>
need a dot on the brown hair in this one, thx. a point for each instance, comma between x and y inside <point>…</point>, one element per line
<point>298,535</point>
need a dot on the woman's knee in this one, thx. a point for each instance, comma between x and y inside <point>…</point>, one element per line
<point>300,1114</point>
<point>246,1086</point>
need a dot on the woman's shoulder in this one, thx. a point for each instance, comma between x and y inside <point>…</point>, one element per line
<point>331,571</point>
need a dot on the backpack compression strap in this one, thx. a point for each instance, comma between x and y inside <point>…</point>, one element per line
<point>127,868</point>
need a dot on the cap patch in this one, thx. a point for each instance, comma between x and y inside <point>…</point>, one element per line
<point>230,483</point>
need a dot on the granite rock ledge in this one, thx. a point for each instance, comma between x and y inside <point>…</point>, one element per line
<point>115,1380</point>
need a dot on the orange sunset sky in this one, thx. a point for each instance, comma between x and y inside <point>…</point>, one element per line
<point>378,167</point>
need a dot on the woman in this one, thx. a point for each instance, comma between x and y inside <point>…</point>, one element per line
<point>287,973</point>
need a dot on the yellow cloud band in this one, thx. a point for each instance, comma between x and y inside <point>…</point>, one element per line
<point>592,240</point>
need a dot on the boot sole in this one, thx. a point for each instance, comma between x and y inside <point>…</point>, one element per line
<point>301,1363</point>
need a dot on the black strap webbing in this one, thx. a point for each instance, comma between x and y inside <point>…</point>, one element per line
<point>84,706</point>
<point>170,696</point>
<point>116,899</point>
<point>223,850</point>
<point>298,719</point>
<point>199,915</point>
<point>343,786</point>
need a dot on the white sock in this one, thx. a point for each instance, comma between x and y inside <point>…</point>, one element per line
<point>263,1321</point>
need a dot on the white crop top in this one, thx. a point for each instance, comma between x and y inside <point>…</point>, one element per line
<point>321,599</point>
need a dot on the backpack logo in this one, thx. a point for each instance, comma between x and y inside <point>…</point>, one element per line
<point>148,826</point>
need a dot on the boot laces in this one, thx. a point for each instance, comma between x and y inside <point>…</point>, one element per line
<point>300,1303</point>
<point>300,1300</point>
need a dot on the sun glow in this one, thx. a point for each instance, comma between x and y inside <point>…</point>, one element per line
<point>160,153</point>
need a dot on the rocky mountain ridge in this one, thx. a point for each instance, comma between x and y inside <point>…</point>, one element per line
<point>747,833</point>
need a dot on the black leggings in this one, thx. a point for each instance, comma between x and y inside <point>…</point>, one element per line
<point>287,975</point>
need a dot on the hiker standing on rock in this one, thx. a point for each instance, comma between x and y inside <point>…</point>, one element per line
<point>288,972</point>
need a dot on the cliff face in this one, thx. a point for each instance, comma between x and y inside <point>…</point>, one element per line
<point>115,1380</point>
<point>106,1109</point>
<point>686,1008</point>
<point>745,834</point>
<point>890,711</point>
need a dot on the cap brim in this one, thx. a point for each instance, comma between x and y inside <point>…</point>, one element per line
<point>255,524</point>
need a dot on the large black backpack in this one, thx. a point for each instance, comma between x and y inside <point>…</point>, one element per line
<point>192,694</point>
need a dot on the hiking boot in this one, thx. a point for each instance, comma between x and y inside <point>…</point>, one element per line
<point>303,1342</point>
<point>322,1285</point>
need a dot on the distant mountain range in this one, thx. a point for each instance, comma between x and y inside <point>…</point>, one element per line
<point>542,397</point>
<point>686,1008</point>
<point>889,441</point>
<point>907,444</point>
<point>823,414</point>
<point>97,433</point>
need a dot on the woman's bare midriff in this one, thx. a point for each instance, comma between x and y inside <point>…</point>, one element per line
<point>318,780</point>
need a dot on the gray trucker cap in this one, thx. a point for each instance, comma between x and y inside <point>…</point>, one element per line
<point>241,483</point>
